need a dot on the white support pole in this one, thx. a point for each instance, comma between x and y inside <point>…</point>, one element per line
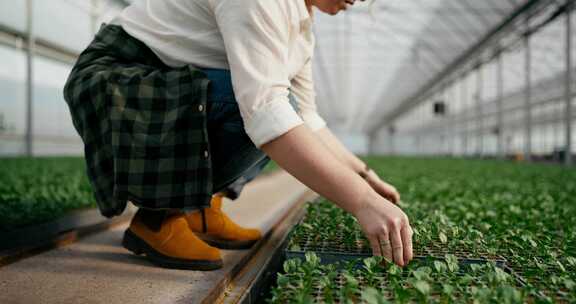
<point>419,133</point>
<point>392,141</point>
<point>451,119</point>
<point>528,99</point>
<point>447,121</point>
<point>443,131</point>
<point>29,76</point>
<point>499,105</point>
<point>450,111</point>
<point>568,87</point>
<point>455,118</point>
<point>371,143</point>
<point>464,92</point>
<point>479,125</point>
<point>95,12</point>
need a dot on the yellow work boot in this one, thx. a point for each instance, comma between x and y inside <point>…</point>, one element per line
<point>170,243</point>
<point>218,230</point>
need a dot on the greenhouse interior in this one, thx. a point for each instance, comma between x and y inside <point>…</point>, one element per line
<point>336,151</point>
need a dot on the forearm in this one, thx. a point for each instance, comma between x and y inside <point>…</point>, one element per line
<point>357,165</point>
<point>301,154</point>
<point>340,151</point>
<point>385,225</point>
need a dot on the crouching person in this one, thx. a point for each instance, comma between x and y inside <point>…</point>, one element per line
<point>180,103</point>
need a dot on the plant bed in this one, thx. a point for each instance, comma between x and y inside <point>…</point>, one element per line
<point>80,221</point>
<point>524,215</point>
<point>336,257</point>
<point>45,202</point>
<point>424,280</point>
<point>39,190</point>
<point>18,244</point>
<point>326,238</point>
<point>330,231</point>
<point>555,286</point>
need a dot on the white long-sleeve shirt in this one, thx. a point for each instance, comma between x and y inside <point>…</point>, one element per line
<point>266,44</point>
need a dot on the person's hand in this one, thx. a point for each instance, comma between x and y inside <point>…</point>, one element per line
<point>381,187</point>
<point>387,228</point>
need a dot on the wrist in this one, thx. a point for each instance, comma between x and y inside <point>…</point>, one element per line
<point>364,201</point>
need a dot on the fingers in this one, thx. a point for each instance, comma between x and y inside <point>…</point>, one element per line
<point>397,246</point>
<point>388,230</point>
<point>375,244</point>
<point>396,195</point>
<point>387,191</point>
<point>407,242</point>
<point>381,247</point>
<point>392,194</point>
<point>394,198</point>
<point>385,248</point>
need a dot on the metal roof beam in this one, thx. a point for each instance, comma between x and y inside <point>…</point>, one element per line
<point>483,43</point>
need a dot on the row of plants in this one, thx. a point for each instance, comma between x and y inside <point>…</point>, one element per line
<point>524,215</point>
<point>422,281</point>
<point>329,229</point>
<point>36,190</point>
<point>40,189</point>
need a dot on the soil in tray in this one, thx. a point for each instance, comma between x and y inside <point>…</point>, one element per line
<point>359,246</point>
<point>325,228</point>
<point>423,281</point>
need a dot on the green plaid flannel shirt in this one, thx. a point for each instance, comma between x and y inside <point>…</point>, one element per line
<point>143,125</point>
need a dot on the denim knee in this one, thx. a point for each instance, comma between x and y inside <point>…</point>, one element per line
<point>233,153</point>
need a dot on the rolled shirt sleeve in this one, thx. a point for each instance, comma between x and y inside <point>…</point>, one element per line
<point>256,35</point>
<point>303,90</point>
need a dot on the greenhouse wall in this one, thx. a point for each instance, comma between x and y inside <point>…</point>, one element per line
<point>507,100</point>
<point>58,44</point>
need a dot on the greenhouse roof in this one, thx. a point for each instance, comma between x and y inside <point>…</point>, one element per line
<point>375,56</point>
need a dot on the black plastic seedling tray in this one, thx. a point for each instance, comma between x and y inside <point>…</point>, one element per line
<point>260,290</point>
<point>342,259</point>
<point>435,249</point>
<point>335,257</point>
<point>334,252</point>
<point>340,250</point>
<point>384,287</point>
<point>557,295</point>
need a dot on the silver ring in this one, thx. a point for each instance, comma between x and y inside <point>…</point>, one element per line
<point>382,245</point>
<point>385,243</point>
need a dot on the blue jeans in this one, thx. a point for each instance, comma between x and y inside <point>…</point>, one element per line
<point>235,159</point>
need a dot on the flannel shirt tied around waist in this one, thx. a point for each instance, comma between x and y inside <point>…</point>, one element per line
<point>143,125</point>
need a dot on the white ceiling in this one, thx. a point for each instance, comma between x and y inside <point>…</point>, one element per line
<point>374,56</point>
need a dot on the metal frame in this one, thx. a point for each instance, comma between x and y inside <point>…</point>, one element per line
<point>516,31</point>
<point>527,96</point>
<point>500,97</point>
<point>33,46</point>
<point>478,98</point>
<point>485,43</point>
<point>568,85</point>
<point>30,46</point>
<point>464,96</point>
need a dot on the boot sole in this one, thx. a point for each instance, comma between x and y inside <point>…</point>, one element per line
<point>138,246</point>
<point>225,244</point>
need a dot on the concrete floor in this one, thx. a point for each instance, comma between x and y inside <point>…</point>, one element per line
<point>97,269</point>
